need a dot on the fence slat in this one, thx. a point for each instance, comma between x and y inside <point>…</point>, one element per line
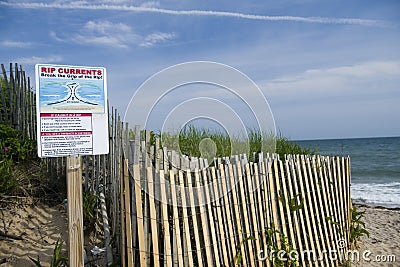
<point>211,210</point>
<point>240,255</point>
<point>318,219</point>
<point>139,212</point>
<point>309,237</point>
<point>226,212</point>
<point>153,217</point>
<point>248,238</point>
<point>176,221</point>
<point>124,246</point>
<point>185,214</point>
<point>203,217</point>
<point>195,222</point>
<point>165,220</point>
<point>285,181</point>
<point>294,193</point>
<point>325,202</point>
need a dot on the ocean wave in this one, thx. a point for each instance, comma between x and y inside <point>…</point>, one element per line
<point>380,194</point>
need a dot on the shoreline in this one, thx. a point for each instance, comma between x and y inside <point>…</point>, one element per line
<point>375,206</point>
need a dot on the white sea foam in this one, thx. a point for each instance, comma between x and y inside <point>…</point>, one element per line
<point>382,194</point>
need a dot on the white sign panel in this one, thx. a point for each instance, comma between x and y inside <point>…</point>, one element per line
<point>72,114</point>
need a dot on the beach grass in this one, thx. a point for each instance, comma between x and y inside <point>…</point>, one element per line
<point>209,143</point>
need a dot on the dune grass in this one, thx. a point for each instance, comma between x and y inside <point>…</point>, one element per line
<point>209,143</point>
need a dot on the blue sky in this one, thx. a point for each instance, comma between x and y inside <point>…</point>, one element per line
<point>329,69</point>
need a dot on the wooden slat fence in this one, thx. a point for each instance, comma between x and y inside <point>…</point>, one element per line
<point>17,100</point>
<point>300,204</point>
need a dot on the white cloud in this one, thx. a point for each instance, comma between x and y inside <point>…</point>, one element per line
<point>150,4</point>
<point>363,70</point>
<point>117,35</point>
<point>106,33</point>
<point>155,38</point>
<point>342,101</point>
<point>146,9</point>
<point>18,44</point>
<point>55,37</point>
<point>353,77</point>
<point>35,60</point>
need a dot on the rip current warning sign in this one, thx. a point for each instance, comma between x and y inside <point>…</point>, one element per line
<point>72,114</point>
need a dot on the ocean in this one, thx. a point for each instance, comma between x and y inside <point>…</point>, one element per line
<point>375,167</point>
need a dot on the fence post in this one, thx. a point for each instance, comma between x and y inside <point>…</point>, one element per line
<point>75,211</point>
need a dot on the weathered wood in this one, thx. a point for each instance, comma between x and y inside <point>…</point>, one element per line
<point>153,217</point>
<point>274,200</point>
<point>309,209</point>
<point>333,217</point>
<point>208,187</point>
<point>246,232</point>
<point>240,249</point>
<point>254,212</point>
<point>123,220</point>
<point>128,224</point>
<point>176,218</point>
<point>75,211</point>
<point>3,99</point>
<point>318,217</point>
<point>165,220</point>
<point>284,181</point>
<point>218,205</point>
<point>186,227</point>
<point>265,200</point>
<point>325,203</point>
<point>139,211</point>
<point>339,202</point>
<point>226,213</point>
<point>294,193</point>
<point>195,222</point>
<point>203,217</point>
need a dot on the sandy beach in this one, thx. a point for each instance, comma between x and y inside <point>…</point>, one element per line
<point>382,247</point>
<point>40,226</point>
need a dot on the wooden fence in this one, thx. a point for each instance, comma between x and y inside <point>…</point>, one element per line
<point>181,213</point>
<point>17,100</point>
<point>159,209</point>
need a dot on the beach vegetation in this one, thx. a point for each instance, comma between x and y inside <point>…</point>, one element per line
<point>282,246</point>
<point>7,183</point>
<point>14,146</point>
<point>16,156</point>
<point>294,204</point>
<point>190,141</point>
<point>357,226</point>
<point>90,200</point>
<point>58,259</point>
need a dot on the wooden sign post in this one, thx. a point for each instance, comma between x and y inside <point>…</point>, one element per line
<point>75,211</point>
<point>72,120</point>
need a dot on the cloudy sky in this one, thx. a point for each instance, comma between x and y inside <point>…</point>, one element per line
<point>329,69</point>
